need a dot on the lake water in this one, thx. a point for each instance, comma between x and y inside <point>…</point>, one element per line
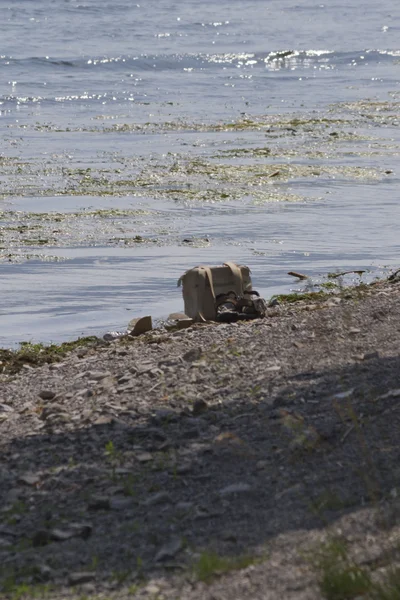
<point>140,140</point>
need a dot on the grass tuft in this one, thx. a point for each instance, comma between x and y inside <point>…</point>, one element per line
<point>211,565</point>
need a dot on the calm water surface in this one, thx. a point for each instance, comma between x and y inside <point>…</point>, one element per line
<point>139,140</point>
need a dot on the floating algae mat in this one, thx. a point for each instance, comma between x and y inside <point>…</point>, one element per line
<point>99,233</point>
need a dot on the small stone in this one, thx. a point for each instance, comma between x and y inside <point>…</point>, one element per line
<point>236,488</point>
<point>50,410</point>
<point>169,550</point>
<point>4,543</point>
<point>273,368</point>
<point>81,577</point>
<point>74,530</point>
<point>193,354</point>
<point>190,433</point>
<point>184,506</point>
<point>159,498</point>
<point>47,395</point>
<point>104,420</point>
<point>99,503</point>
<point>97,375</point>
<point>199,407</point>
<point>6,408</point>
<point>344,395</point>
<point>229,536</point>
<point>121,503</point>
<point>126,378</point>
<point>354,330</point>
<point>144,457</point>
<point>370,355</point>
<point>184,468</point>
<point>29,479</point>
<point>152,590</point>
<point>261,464</point>
<point>41,538</point>
<point>44,572</point>
<point>165,415</point>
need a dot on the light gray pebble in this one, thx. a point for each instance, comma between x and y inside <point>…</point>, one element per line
<point>236,488</point>
<point>158,498</point>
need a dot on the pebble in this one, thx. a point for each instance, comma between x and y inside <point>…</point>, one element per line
<point>73,530</point>
<point>80,577</point>
<point>47,395</point>
<point>159,498</point>
<point>152,590</point>
<point>103,420</point>
<point>41,538</point>
<point>99,503</point>
<point>144,457</point>
<point>261,464</point>
<point>370,355</point>
<point>29,479</point>
<point>184,506</point>
<point>121,503</point>
<point>97,375</point>
<point>236,488</point>
<point>199,407</point>
<point>192,355</point>
<point>6,408</point>
<point>169,550</point>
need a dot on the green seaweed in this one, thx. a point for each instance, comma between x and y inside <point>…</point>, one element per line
<point>12,361</point>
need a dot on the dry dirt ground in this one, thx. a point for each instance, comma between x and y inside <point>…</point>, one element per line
<point>218,462</point>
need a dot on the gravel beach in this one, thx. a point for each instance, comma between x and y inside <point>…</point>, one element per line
<point>215,462</point>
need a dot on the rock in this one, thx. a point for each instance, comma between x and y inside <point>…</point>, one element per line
<point>184,506</point>
<point>169,550</point>
<point>370,355</point>
<point>51,409</point>
<point>81,577</point>
<point>41,538</point>
<point>104,420</point>
<point>121,503</point>
<point>191,433</point>
<point>125,378</point>
<point>184,323</point>
<point>139,326</point>
<point>184,468</point>
<point>192,355</point>
<point>4,543</point>
<point>199,407</point>
<point>98,375</point>
<point>82,530</point>
<point>99,503</point>
<point>29,479</point>
<point>44,573</point>
<point>144,457</point>
<point>6,408</point>
<point>261,464</point>
<point>159,498</point>
<point>165,415</point>
<point>47,395</point>
<point>236,488</point>
<point>273,368</point>
<point>152,590</point>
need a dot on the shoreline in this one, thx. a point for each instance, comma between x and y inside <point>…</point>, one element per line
<point>38,353</point>
<point>207,462</point>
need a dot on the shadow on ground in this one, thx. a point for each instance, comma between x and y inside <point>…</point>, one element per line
<point>125,499</point>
